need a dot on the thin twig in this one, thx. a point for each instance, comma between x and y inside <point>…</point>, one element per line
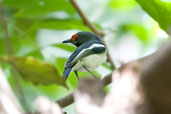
<point>10,54</point>
<point>109,59</point>
<point>92,27</point>
<point>85,19</point>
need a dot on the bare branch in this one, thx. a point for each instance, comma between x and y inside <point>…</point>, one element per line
<point>85,19</point>
<point>67,100</point>
<point>109,59</point>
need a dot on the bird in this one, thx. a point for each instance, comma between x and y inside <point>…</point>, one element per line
<point>90,53</point>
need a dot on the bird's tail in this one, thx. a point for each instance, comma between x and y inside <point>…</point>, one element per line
<point>66,73</point>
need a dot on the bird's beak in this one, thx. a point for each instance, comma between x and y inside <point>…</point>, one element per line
<point>67,41</point>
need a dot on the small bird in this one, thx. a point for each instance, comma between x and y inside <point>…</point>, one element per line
<point>90,53</point>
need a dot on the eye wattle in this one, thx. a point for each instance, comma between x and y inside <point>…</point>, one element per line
<point>74,37</point>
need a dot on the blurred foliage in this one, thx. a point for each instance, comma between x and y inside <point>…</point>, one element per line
<point>35,71</point>
<point>160,10</point>
<point>37,28</point>
<point>141,31</point>
<point>59,24</point>
<point>123,4</point>
<point>65,47</point>
<point>38,8</point>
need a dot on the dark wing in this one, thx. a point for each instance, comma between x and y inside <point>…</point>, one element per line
<point>91,47</point>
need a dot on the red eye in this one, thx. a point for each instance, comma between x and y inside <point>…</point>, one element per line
<point>74,37</point>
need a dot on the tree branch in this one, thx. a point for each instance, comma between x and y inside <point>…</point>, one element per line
<point>67,100</point>
<point>92,27</point>
<point>109,59</point>
<point>85,19</point>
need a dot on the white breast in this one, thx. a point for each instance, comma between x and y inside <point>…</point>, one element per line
<point>91,62</point>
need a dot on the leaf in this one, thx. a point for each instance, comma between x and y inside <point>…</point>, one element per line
<point>65,47</point>
<point>36,54</point>
<point>36,71</point>
<point>107,66</point>
<point>142,32</point>
<point>107,89</point>
<point>58,24</point>
<point>38,8</point>
<point>159,10</point>
<point>2,46</point>
<point>123,4</point>
<point>23,46</point>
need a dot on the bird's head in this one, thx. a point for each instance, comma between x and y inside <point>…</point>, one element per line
<point>82,37</point>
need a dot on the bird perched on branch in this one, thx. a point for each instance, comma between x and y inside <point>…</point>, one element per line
<point>90,53</point>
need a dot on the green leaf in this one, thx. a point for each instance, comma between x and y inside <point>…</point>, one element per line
<point>2,46</point>
<point>66,47</point>
<point>107,89</point>
<point>38,8</point>
<point>36,71</point>
<point>107,66</point>
<point>57,24</point>
<point>123,4</point>
<point>143,33</point>
<point>22,46</point>
<point>36,54</point>
<point>159,10</point>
